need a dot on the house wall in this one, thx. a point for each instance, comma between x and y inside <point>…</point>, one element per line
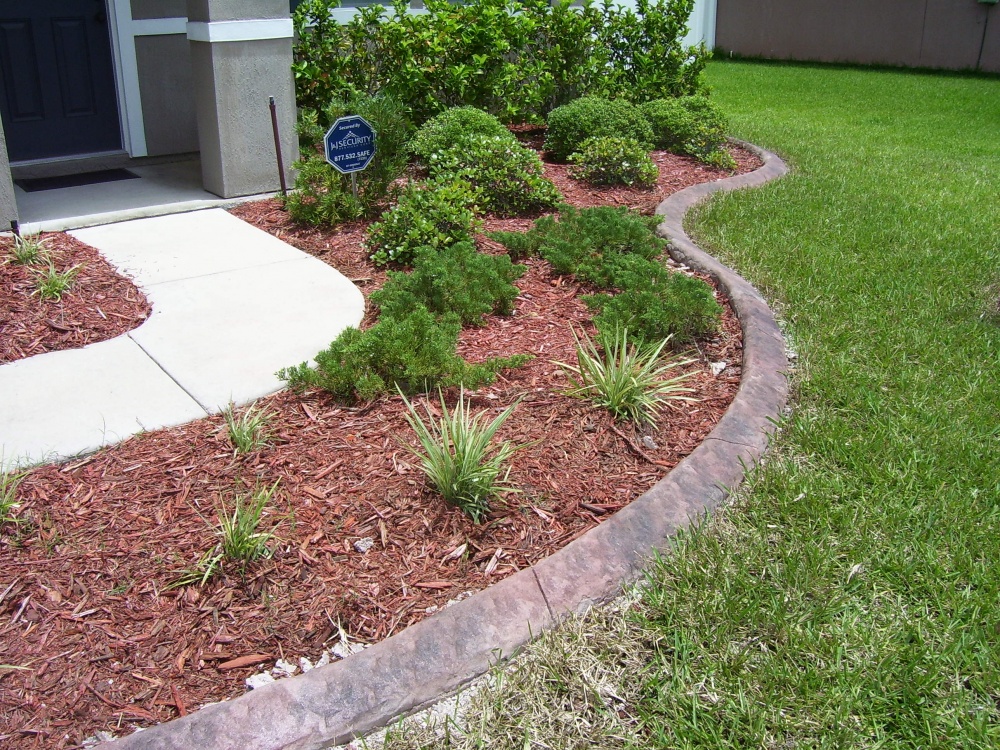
<point>948,34</point>
<point>163,67</point>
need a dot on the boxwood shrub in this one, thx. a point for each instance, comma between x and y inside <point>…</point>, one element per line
<point>589,116</point>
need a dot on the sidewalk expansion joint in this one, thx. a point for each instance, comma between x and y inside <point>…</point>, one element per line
<point>165,371</point>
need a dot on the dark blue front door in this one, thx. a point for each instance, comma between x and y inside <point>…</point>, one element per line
<point>57,81</point>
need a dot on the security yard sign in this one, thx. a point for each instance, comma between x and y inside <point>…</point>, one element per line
<point>350,144</point>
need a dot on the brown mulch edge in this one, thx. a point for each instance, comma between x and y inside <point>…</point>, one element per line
<point>109,647</point>
<point>101,304</point>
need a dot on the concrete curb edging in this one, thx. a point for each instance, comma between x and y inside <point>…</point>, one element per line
<point>414,668</point>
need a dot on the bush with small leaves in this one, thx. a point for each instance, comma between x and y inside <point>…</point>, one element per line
<point>690,125</point>
<point>656,304</point>
<point>436,214</point>
<point>508,177</point>
<point>590,116</point>
<point>588,243</point>
<point>413,352</point>
<point>451,127</point>
<point>457,280</point>
<point>610,160</point>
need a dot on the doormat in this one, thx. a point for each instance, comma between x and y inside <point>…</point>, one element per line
<point>75,180</point>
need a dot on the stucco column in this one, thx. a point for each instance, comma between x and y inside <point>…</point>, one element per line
<point>8,205</point>
<point>241,54</point>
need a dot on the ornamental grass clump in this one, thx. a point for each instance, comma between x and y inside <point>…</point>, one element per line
<point>242,540</point>
<point>51,283</point>
<point>9,482</point>
<point>251,430</point>
<point>458,456</point>
<point>631,382</point>
<point>28,250</point>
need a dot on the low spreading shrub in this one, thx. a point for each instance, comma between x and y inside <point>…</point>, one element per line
<point>454,280</point>
<point>610,160</point>
<point>436,214</point>
<point>587,243</point>
<point>442,132</point>
<point>690,125</point>
<point>509,178</point>
<point>590,116</point>
<point>414,352</point>
<point>655,304</point>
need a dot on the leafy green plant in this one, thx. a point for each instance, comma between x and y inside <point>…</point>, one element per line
<point>690,125</point>
<point>655,304</point>
<point>457,454</point>
<point>323,196</point>
<point>436,214</point>
<point>413,352</point>
<point>572,124</point>
<point>514,60</point>
<point>51,283</point>
<point>630,382</point>
<point>28,249</point>
<point>453,126</point>
<point>242,540</point>
<point>456,279</point>
<point>509,178</point>
<point>588,243</point>
<point>610,160</point>
<point>249,431</point>
<point>9,482</point>
<point>200,573</point>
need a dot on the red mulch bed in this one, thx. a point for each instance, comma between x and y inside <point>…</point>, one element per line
<point>100,305</point>
<point>85,599</point>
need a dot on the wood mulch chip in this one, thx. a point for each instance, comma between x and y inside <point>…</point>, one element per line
<point>361,547</point>
<point>100,305</point>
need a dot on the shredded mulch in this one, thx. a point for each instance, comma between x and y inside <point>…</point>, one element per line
<point>89,604</point>
<point>101,304</point>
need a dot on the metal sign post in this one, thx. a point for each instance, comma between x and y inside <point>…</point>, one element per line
<point>350,146</point>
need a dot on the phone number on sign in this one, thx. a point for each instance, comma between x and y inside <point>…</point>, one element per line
<point>353,156</point>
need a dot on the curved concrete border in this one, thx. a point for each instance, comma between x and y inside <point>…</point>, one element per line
<point>416,667</point>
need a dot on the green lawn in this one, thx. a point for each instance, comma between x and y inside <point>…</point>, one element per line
<point>850,595</point>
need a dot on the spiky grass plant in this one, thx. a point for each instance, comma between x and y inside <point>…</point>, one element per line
<point>249,431</point>
<point>458,456</point>
<point>242,539</point>
<point>51,283</point>
<point>630,382</point>
<point>9,483</point>
<point>28,249</point>
<point>199,573</point>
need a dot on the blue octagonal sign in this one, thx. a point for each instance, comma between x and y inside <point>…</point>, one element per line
<point>350,144</point>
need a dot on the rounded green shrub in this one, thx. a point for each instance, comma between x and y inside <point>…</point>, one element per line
<point>452,126</point>
<point>690,125</point>
<point>610,160</point>
<point>437,214</point>
<point>509,178</point>
<point>571,124</point>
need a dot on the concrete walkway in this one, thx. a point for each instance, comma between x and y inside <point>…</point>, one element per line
<point>231,306</point>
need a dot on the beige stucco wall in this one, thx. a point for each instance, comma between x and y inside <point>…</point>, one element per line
<point>945,34</point>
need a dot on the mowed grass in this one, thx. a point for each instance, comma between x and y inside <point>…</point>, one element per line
<point>849,597</point>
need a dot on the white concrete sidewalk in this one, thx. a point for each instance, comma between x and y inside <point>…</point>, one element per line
<point>231,306</point>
